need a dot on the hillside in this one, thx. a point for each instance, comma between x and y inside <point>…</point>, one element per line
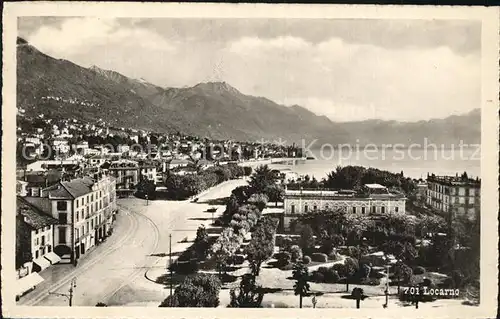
<point>60,88</point>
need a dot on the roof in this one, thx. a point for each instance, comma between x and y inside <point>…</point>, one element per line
<point>34,217</point>
<point>78,187</point>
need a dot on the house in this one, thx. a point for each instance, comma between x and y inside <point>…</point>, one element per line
<point>84,208</point>
<point>126,173</point>
<point>34,245</point>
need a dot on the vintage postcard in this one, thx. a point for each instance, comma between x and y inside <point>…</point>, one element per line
<point>326,160</point>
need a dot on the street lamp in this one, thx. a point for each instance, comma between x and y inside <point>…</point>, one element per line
<point>69,295</point>
<point>147,200</point>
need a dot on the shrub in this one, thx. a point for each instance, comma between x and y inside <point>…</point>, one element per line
<point>331,276</point>
<point>237,259</point>
<point>306,260</point>
<point>320,257</point>
<point>318,277</point>
<point>295,253</point>
<point>289,266</point>
<point>283,259</point>
<point>419,270</point>
<point>340,269</point>
<point>370,281</point>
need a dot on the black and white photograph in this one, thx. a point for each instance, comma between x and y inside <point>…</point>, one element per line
<point>250,156</point>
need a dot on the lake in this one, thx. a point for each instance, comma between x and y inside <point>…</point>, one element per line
<point>414,163</point>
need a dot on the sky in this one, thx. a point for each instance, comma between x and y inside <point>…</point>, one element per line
<point>346,69</point>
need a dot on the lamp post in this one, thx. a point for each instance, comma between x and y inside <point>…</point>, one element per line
<point>386,291</point>
<point>147,200</point>
<point>170,263</point>
<point>69,295</point>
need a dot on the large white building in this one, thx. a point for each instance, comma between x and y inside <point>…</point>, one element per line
<point>374,199</point>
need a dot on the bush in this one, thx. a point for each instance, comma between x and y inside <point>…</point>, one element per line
<point>295,253</point>
<point>331,276</point>
<point>419,270</point>
<point>370,281</point>
<point>306,260</point>
<point>318,277</point>
<point>283,259</point>
<point>289,266</point>
<point>340,269</point>
<point>319,257</point>
<point>237,259</point>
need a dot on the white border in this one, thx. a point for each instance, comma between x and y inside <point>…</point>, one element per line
<point>489,164</point>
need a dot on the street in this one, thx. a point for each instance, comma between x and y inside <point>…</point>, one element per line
<point>115,271</point>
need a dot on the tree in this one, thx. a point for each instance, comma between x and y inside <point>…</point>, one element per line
<point>295,253</point>
<point>301,276</point>
<point>201,242</point>
<point>260,200</point>
<point>199,290</point>
<point>358,294</point>
<point>225,246</point>
<point>275,193</point>
<point>351,267</point>
<point>261,246</point>
<point>262,178</point>
<point>402,272</point>
<point>146,187</point>
<point>249,296</point>
<point>306,241</point>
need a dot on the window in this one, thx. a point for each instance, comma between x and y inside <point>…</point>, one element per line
<point>354,210</point>
<point>49,249</point>
<point>92,197</point>
<point>326,207</point>
<point>315,207</point>
<point>63,218</point>
<point>306,208</point>
<point>36,241</point>
<point>62,235</point>
<point>396,209</point>
<point>77,203</point>
<point>363,210</point>
<point>76,216</point>
<point>36,254</point>
<point>293,209</point>
<point>374,209</point>
<point>383,209</point>
<point>43,241</point>
<point>62,205</point>
<point>76,233</point>
<point>36,231</point>
<point>92,223</point>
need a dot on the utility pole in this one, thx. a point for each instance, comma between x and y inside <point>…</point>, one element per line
<point>69,295</point>
<point>170,263</point>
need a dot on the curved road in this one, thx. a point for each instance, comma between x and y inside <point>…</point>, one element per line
<point>113,272</point>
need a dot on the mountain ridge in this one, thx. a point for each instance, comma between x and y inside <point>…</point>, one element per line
<point>209,109</point>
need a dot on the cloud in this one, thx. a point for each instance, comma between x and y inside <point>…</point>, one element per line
<point>76,35</point>
<point>348,81</point>
<point>344,69</point>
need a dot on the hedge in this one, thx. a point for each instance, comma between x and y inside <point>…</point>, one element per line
<point>319,257</point>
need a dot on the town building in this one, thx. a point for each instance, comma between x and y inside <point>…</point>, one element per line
<point>34,245</point>
<point>126,173</point>
<point>84,208</point>
<point>373,199</point>
<point>454,196</point>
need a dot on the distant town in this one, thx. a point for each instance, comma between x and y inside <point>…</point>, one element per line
<point>197,215</point>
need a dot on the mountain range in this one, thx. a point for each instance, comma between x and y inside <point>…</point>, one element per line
<point>215,109</point>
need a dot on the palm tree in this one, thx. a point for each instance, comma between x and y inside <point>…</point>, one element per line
<point>301,275</point>
<point>358,294</point>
